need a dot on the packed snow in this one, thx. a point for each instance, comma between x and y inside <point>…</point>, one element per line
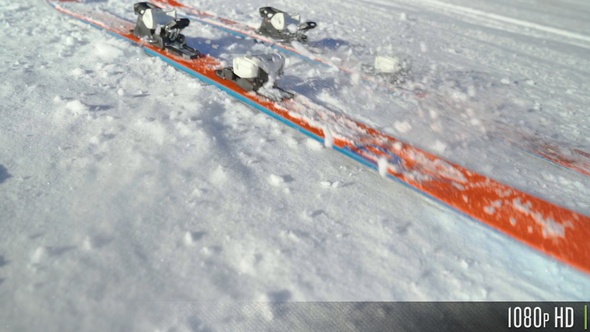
<point>134,197</point>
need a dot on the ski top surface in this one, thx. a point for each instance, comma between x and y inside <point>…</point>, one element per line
<point>554,230</point>
<point>573,159</point>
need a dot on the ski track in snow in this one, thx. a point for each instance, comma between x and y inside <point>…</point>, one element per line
<point>132,197</point>
<point>487,18</point>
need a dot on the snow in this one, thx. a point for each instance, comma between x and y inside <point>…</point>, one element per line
<point>132,197</point>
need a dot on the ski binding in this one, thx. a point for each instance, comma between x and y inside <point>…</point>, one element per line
<point>162,29</point>
<point>393,69</point>
<point>257,73</point>
<point>283,27</point>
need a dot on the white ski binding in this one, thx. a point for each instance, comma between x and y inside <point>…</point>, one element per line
<point>392,68</point>
<point>162,28</point>
<point>257,73</point>
<point>283,27</point>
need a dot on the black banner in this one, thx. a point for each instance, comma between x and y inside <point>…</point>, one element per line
<point>421,316</point>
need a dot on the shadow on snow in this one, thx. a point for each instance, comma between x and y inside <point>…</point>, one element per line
<point>4,175</point>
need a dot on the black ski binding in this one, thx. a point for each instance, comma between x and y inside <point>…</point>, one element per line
<point>283,27</point>
<point>254,72</point>
<point>162,29</point>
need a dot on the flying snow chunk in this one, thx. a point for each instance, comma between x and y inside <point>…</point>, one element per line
<point>329,184</point>
<point>383,166</point>
<point>439,146</point>
<point>106,51</point>
<point>39,255</point>
<point>276,180</point>
<point>328,139</point>
<point>313,144</point>
<point>188,239</point>
<point>70,41</point>
<point>423,47</point>
<point>77,72</point>
<point>402,126</point>
<point>88,243</point>
<point>76,107</point>
<point>355,78</point>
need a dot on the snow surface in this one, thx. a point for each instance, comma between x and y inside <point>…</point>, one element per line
<point>133,197</point>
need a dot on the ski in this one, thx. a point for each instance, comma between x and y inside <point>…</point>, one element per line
<point>571,158</point>
<point>385,71</point>
<point>556,231</point>
<point>561,155</point>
